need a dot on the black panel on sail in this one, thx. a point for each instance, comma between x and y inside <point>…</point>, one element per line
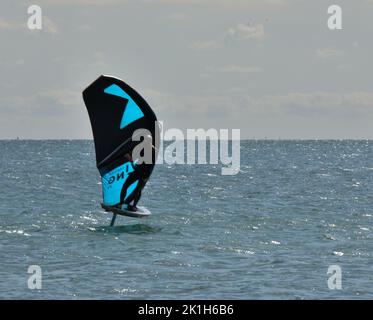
<point>116,111</point>
<point>109,101</point>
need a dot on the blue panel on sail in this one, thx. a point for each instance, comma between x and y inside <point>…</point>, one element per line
<point>132,112</point>
<point>112,183</point>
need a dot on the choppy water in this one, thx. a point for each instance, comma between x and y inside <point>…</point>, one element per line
<point>269,232</point>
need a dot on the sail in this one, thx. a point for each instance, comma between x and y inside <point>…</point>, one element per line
<point>116,111</point>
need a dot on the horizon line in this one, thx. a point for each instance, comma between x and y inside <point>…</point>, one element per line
<point>169,140</point>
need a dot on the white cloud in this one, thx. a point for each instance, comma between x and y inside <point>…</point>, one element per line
<point>181,106</point>
<point>178,16</point>
<point>293,110</point>
<point>82,2</point>
<point>11,25</point>
<point>48,102</point>
<point>7,25</point>
<point>240,31</point>
<point>316,104</point>
<point>240,69</point>
<point>247,31</point>
<point>84,27</point>
<point>175,2</point>
<point>222,2</point>
<point>205,75</point>
<point>203,45</point>
<point>328,53</point>
<point>12,63</point>
<point>62,97</point>
<point>172,2</point>
<point>48,25</point>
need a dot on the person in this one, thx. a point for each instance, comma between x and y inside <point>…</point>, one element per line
<point>140,173</point>
<point>132,200</point>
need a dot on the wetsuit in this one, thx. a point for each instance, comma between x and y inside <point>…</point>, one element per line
<point>140,172</point>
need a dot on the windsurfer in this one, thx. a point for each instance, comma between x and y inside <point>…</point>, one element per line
<point>139,174</point>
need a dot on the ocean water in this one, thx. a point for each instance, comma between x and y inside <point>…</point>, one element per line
<point>269,232</point>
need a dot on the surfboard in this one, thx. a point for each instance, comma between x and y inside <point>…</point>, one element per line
<point>141,212</point>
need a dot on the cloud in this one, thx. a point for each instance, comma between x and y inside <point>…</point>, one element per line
<point>81,2</point>
<point>203,45</point>
<point>246,31</point>
<point>84,27</point>
<point>191,106</point>
<point>171,2</point>
<point>240,31</point>
<point>46,103</point>
<point>240,69</point>
<point>58,114</point>
<point>7,25</point>
<point>11,25</point>
<point>178,16</point>
<point>315,104</point>
<point>61,97</point>
<point>290,111</point>
<point>237,105</point>
<point>12,63</point>
<point>222,2</point>
<point>325,53</point>
<point>48,25</point>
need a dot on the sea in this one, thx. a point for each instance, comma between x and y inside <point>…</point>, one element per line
<point>296,222</point>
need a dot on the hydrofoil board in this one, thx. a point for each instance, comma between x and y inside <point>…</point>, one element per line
<point>141,212</point>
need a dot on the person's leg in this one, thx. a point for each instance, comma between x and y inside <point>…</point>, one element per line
<point>139,188</point>
<point>137,197</point>
<point>131,179</point>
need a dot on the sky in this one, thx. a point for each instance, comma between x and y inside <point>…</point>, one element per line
<point>271,68</point>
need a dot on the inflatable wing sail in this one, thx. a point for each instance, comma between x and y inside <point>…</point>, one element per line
<point>116,112</point>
